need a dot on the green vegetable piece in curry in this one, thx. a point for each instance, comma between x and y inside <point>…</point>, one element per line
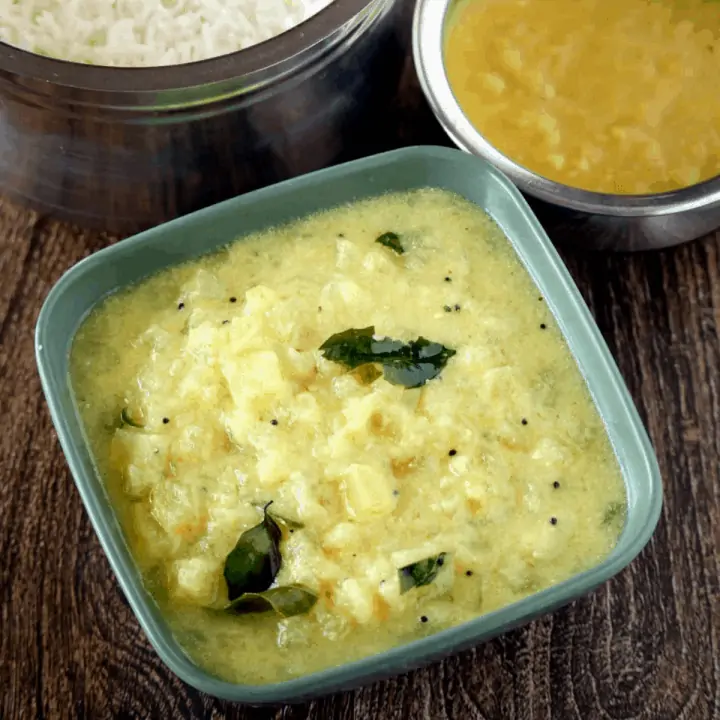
<point>420,573</point>
<point>408,364</point>
<point>255,560</point>
<point>126,419</point>
<point>391,240</point>
<point>286,601</point>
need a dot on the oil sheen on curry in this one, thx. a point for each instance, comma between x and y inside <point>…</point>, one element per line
<point>344,434</point>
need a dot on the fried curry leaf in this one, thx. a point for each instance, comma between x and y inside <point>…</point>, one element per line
<point>355,347</point>
<point>391,240</point>
<point>255,560</point>
<point>420,573</point>
<point>408,364</point>
<point>286,601</point>
<point>127,419</point>
<point>424,361</point>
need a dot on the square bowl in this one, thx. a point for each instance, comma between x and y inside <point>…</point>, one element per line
<point>127,262</point>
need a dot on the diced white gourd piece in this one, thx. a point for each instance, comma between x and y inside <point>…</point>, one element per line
<point>198,442</point>
<point>459,465</point>
<point>543,541</point>
<point>201,339</point>
<point>356,597</point>
<point>305,409</point>
<point>197,579</point>
<point>205,285</point>
<point>305,563</point>
<point>148,534</point>
<point>376,566</point>
<point>259,299</point>
<point>379,262</point>
<point>367,491</point>
<point>357,412</point>
<point>246,333</point>
<point>343,535</point>
<point>346,386</point>
<point>256,375</point>
<point>179,507</point>
<point>347,254</point>
<point>339,448</point>
<point>491,491</point>
<point>309,509</point>
<point>228,515</point>
<point>548,452</point>
<point>302,364</point>
<point>143,456</point>
<point>157,338</point>
<point>389,589</point>
<point>200,385</point>
<point>502,385</point>
<point>343,293</point>
<point>272,467</point>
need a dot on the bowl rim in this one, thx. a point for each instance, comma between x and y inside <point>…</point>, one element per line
<point>534,250</point>
<point>429,24</point>
<point>263,56</point>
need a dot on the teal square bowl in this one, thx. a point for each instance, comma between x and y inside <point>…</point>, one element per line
<point>88,282</point>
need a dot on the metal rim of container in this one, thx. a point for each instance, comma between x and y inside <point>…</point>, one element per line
<point>428,37</point>
<point>270,55</point>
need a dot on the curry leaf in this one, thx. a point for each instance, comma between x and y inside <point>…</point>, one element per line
<point>424,362</point>
<point>286,601</point>
<point>420,573</point>
<point>127,419</point>
<point>355,347</point>
<point>255,560</point>
<point>408,364</point>
<point>391,240</point>
<point>351,348</point>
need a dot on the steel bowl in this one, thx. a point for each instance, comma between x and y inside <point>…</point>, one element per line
<point>598,220</point>
<point>126,148</point>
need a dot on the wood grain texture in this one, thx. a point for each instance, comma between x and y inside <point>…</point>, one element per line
<point>644,646</point>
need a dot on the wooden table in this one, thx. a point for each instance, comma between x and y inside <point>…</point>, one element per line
<point>646,645</point>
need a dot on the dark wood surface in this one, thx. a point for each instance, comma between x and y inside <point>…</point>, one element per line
<point>646,645</point>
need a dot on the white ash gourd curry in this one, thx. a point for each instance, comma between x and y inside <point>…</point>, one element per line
<point>340,435</point>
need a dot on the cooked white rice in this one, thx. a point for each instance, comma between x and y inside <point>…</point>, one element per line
<point>146,32</point>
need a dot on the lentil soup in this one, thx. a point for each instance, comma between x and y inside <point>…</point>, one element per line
<point>617,96</point>
<point>344,434</point>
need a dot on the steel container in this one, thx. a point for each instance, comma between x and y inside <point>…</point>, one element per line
<point>123,149</point>
<point>600,221</point>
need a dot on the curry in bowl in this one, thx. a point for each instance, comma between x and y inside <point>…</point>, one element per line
<point>612,96</point>
<point>343,434</point>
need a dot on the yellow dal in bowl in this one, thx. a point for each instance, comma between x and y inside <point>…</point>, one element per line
<point>616,96</point>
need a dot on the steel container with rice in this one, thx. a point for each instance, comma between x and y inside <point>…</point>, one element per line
<point>148,118</point>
